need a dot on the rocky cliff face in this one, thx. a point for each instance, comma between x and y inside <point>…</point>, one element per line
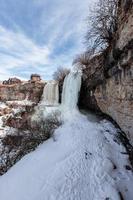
<point>28,90</point>
<point>108,86</point>
<point>125,23</point>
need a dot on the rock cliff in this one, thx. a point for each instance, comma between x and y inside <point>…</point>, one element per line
<point>26,90</point>
<point>108,85</point>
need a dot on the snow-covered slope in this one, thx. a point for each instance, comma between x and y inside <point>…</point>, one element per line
<point>84,163</point>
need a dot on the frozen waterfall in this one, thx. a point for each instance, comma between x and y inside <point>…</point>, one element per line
<point>49,101</point>
<point>71,89</point>
<point>50,94</point>
<point>50,98</point>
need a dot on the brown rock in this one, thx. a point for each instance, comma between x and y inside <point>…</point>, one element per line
<point>19,121</point>
<point>5,111</point>
<point>30,90</point>
<point>35,78</point>
<point>11,81</point>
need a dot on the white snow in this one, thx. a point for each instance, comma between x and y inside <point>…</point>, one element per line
<point>79,165</point>
<point>24,102</point>
<point>2,105</point>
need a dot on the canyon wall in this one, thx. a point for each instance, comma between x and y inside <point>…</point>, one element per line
<point>26,90</point>
<point>108,86</point>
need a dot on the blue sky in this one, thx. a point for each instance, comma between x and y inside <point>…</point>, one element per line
<point>37,36</point>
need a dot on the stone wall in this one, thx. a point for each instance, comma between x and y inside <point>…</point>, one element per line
<point>92,76</point>
<point>111,88</point>
<point>125,23</point>
<point>115,98</point>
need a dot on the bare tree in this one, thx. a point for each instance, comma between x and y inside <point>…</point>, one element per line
<point>82,60</point>
<point>102,24</point>
<point>60,73</point>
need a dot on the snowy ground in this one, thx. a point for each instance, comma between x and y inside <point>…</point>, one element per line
<point>84,163</point>
<point>2,105</point>
<point>24,102</point>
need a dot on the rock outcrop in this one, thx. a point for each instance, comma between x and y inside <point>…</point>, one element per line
<point>35,78</point>
<point>20,120</point>
<point>108,86</point>
<point>11,81</point>
<point>26,90</point>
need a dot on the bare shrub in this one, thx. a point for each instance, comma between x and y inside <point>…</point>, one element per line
<point>44,127</point>
<point>82,60</point>
<point>60,73</point>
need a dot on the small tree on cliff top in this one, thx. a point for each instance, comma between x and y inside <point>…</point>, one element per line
<point>102,24</point>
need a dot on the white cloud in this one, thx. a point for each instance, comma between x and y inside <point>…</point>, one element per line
<point>17,50</point>
<point>62,22</point>
<point>66,19</point>
<point>20,50</point>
